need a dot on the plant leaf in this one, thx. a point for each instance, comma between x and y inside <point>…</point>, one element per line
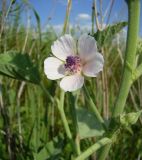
<point>51,150</point>
<point>129,118</point>
<point>18,66</point>
<point>88,124</point>
<point>104,36</point>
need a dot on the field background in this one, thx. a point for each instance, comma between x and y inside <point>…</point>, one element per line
<point>30,124</point>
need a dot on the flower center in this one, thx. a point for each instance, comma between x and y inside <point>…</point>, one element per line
<point>73,64</point>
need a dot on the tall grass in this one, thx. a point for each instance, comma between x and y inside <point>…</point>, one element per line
<point>30,123</point>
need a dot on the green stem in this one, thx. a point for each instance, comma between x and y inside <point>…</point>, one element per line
<point>46,92</point>
<point>104,152</point>
<point>67,17</point>
<point>94,148</point>
<point>130,55</point>
<point>77,143</point>
<point>73,106</point>
<point>8,9</point>
<point>65,122</point>
<point>63,117</point>
<point>77,140</point>
<point>93,106</point>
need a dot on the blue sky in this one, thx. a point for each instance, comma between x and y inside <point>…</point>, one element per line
<point>80,12</point>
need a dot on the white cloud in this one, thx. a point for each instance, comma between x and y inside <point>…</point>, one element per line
<point>83,17</point>
<point>62,2</point>
<point>58,28</point>
<point>78,27</point>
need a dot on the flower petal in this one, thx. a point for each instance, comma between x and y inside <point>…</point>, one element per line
<point>54,68</point>
<point>87,47</point>
<point>72,83</point>
<point>64,47</point>
<point>94,66</point>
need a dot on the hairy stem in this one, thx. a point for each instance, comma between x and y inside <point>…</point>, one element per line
<point>133,28</point>
<point>94,148</point>
<point>129,62</point>
<point>63,117</point>
<point>104,152</point>
<point>74,100</point>
<point>65,122</point>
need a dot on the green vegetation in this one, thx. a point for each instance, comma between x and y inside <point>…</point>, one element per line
<point>32,109</point>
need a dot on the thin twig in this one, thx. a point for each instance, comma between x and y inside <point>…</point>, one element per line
<point>101,14</point>
<point>111,6</point>
<point>27,33</point>
<point>96,16</point>
<point>67,16</point>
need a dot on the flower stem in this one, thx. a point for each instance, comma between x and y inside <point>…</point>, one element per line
<point>130,55</point>
<point>77,139</point>
<point>94,148</point>
<point>46,92</point>
<point>65,122</point>
<point>72,99</point>
<point>93,106</point>
<point>63,117</point>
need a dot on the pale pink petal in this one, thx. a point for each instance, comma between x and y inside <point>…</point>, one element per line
<point>63,47</point>
<point>94,66</point>
<point>72,83</point>
<point>87,47</point>
<point>54,68</point>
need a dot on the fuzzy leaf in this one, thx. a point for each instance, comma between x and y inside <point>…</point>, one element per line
<point>88,124</point>
<point>106,35</point>
<point>18,66</point>
<point>51,150</point>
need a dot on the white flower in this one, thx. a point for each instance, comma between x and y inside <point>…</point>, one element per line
<point>72,61</point>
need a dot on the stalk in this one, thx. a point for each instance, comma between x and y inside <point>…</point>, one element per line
<point>101,13</point>
<point>94,148</point>
<point>63,117</point>
<point>93,17</point>
<point>130,55</point>
<point>111,6</point>
<point>129,63</point>
<point>67,17</point>
<point>93,107</point>
<point>96,15</point>
<point>105,93</point>
<point>65,122</point>
<point>73,106</point>
<point>104,152</point>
